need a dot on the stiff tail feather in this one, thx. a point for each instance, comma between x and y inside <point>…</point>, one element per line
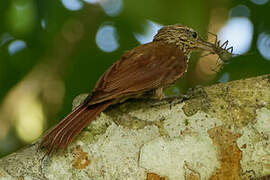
<point>66,130</point>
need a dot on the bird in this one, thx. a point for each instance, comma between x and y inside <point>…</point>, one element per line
<point>147,68</point>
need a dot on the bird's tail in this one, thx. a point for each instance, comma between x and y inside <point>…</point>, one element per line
<point>67,129</point>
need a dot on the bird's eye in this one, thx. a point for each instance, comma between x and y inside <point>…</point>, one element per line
<point>194,35</point>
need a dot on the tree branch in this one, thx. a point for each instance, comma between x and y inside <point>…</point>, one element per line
<point>221,132</point>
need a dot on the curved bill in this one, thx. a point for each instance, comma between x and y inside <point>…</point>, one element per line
<point>204,45</point>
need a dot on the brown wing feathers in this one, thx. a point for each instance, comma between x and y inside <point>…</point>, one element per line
<point>153,65</point>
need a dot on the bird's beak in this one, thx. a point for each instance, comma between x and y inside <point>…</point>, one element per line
<point>204,45</point>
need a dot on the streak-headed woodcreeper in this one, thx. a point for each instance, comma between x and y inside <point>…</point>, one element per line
<point>146,68</point>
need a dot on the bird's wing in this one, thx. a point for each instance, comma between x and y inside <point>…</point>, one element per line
<point>144,68</point>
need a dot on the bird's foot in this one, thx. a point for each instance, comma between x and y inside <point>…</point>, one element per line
<point>172,100</point>
<point>195,91</point>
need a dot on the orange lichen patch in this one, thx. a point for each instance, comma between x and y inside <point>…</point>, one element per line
<point>229,154</point>
<point>81,159</point>
<point>153,176</point>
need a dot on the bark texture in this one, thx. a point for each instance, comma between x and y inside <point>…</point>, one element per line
<point>221,132</point>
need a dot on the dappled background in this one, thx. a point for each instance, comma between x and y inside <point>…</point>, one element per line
<point>53,50</point>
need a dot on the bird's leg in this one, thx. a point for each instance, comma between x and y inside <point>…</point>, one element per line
<point>158,93</point>
<point>160,99</point>
<point>171,99</point>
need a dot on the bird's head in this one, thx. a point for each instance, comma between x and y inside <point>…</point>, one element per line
<point>182,37</point>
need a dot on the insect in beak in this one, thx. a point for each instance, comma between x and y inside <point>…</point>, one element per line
<point>204,45</point>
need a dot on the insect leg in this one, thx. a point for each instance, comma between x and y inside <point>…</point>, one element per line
<point>231,49</point>
<point>218,44</point>
<point>215,37</point>
<point>225,44</point>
